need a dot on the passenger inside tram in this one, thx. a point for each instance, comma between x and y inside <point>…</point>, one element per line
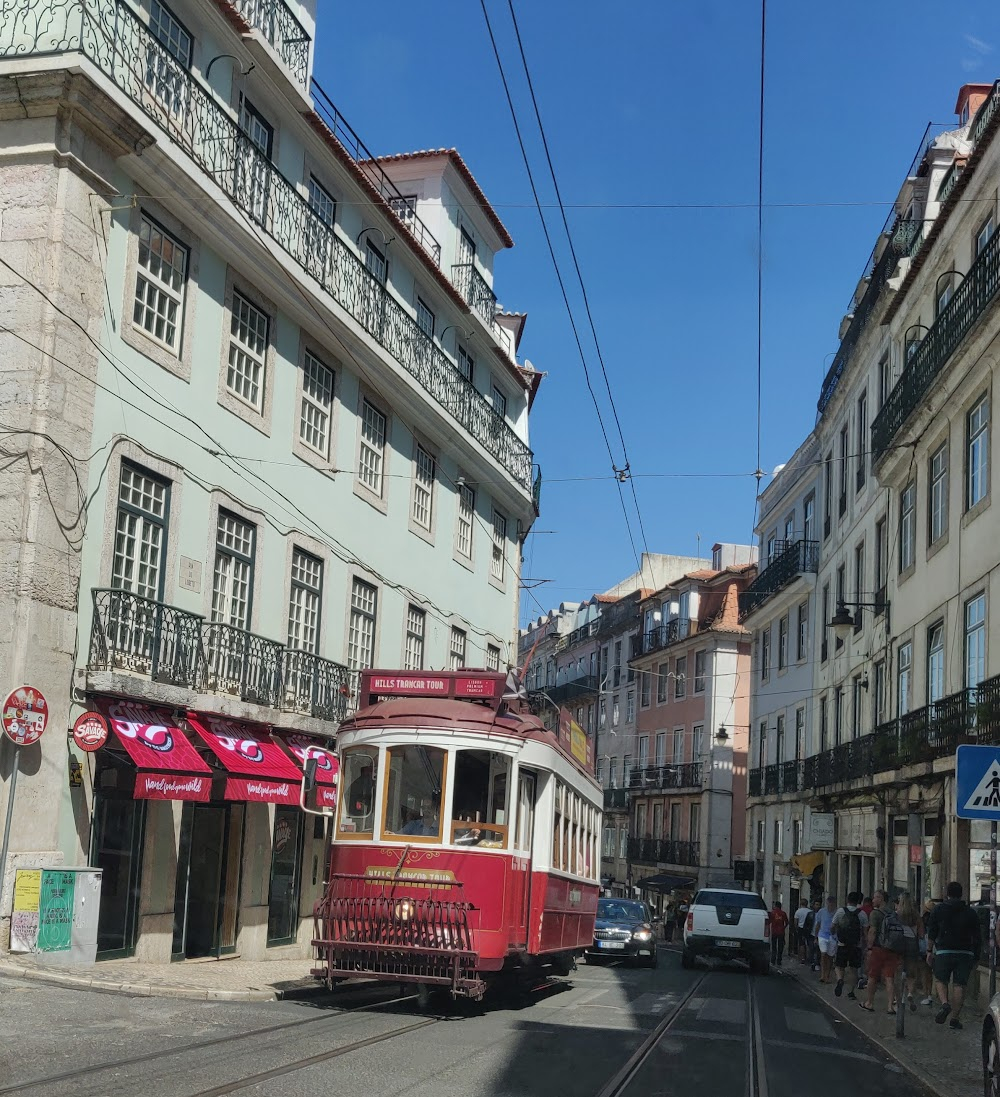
<point>415,790</point>
<point>357,813</point>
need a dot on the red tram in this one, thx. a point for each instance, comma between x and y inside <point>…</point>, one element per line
<point>466,838</point>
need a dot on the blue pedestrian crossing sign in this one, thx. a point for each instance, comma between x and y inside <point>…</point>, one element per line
<point>977,782</point>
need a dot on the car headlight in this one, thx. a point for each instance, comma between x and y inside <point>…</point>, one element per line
<point>642,935</point>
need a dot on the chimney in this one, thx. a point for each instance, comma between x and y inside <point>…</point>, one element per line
<point>970,98</point>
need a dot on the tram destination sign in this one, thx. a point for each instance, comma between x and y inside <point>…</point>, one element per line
<point>460,685</point>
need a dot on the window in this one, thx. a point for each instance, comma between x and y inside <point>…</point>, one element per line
<point>772,546</point>
<point>630,706</point>
<point>661,682</point>
<point>286,858</point>
<point>317,403</point>
<point>678,754</point>
<point>372,447</point>
<point>935,663</point>
<point>907,526</point>
<point>249,333</point>
<point>700,658</point>
<point>425,319</point>
<point>802,632</point>
<point>856,706</point>
<point>859,582</point>
<point>627,771</point>
<point>984,234</point>
<point>823,724</point>
<point>466,363</point>
<point>809,518</point>
<point>680,681</point>
<point>599,773</point>
<point>838,715</point>
<point>778,836</point>
<point>977,446</point>
<point>253,161</point>
<point>456,650</point>
<point>779,738</point>
<point>782,643</point>
<point>765,653</point>
<point>499,402</point>
<point>827,492</point>
<point>499,545</point>
<point>643,751</point>
<point>170,32</point>
<point>675,822</point>
<point>466,247</point>
<point>881,555</point>
<point>760,836</point>
<point>166,68</point>
<point>645,690</point>
<point>841,584</point>
<point>623,843</point>
<point>361,631</point>
<point>879,694</point>
<point>493,663</point>
<point>884,380</point>
<point>414,792</point>
<point>305,598</point>
<point>613,773</point>
<point>615,712</point>
<point>416,626</point>
<point>661,748</point>
<point>321,202</point>
<point>602,715</point>
<point>862,440</point>
<point>945,288</point>
<point>424,467</point>
<point>466,512</point>
<point>232,581</point>
<point>796,836</point>
<point>845,449</point>
<point>904,669</point>
<point>160,280</point>
<point>800,734</point>
<point>824,650</point>
<point>375,262</point>
<point>140,532</point>
<point>405,208</point>
<point>789,529</point>
<point>937,490</point>
<point>975,641</point>
<point>762,745</point>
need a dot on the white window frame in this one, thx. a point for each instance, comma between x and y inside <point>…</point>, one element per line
<point>249,336</point>
<point>363,622</point>
<point>160,284</point>
<point>424,476</point>
<point>316,410</point>
<point>305,600</point>
<point>498,558</point>
<point>139,559</point>
<point>493,661</point>
<point>372,428</point>
<point>907,526</point>
<point>233,574</point>
<point>457,648</point>
<point>977,453</point>
<point>975,640</point>
<point>937,490</point>
<point>416,628</point>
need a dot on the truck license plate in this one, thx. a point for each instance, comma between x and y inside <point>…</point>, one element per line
<point>728,944</point>
<point>610,944</point>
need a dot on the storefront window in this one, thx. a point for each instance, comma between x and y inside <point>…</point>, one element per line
<point>283,903</point>
<point>117,851</point>
<point>357,802</point>
<point>414,791</point>
<point>479,814</point>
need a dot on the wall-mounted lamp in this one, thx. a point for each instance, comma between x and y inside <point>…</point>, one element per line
<point>231,57</point>
<point>843,622</point>
<point>386,240</point>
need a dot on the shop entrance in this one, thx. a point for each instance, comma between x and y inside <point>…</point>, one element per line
<point>116,849</point>
<point>206,897</point>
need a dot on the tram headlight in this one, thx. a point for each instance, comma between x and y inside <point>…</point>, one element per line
<point>404,910</point>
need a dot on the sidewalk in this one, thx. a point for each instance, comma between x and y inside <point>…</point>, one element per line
<point>948,1062</point>
<point>213,980</point>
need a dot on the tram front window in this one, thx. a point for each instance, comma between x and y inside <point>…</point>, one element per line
<point>415,787</point>
<point>357,802</point>
<point>479,817</point>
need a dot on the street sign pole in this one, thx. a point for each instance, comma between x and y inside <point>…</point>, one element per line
<point>11,788</point>
<point>993,908</point>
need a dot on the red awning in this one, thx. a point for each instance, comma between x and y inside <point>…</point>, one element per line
<point>169,766</point>
<point>305,747</point>
<point>263,772</point>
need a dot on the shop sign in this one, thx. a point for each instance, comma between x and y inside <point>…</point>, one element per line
<point>916,855</point>
<point>476,687</point>
<point>821,830</point>
<point>24,716</point>
<point>259,791</point>
<point>90,732</point>
<point>172,786</point>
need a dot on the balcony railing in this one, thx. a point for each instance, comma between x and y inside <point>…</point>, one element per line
<point>755,782</point>
<point>772,780</point>
<point>664,851</point>
<point>144,637</point>
<point>277,23</point>
<point>616,799</point>
<point>574,688</point>
<point>791,773</point>
<point>678,775</point>
<point>472,286</point>
<point>113,37</point>
<point>951,177</point>
<point>955,320</point>
<point>663,636</point>
<point>985,115</point>
<point>798,558</point>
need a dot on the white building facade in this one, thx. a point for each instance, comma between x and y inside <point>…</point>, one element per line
<point>270,429</point>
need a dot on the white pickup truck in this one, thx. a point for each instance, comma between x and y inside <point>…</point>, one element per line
<point>729,924</point>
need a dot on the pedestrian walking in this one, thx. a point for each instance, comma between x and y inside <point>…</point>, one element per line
<point>680,916</point>
<point>779,924</point>
<point>883,962</point>
<point>953,947</point>
<point>926,975</point>
<point>825,939</point>
<point>909,917</point>
<point>849,926</point>
<point>803,926</point>
<point>814,913</point>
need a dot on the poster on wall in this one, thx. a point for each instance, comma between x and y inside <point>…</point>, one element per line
<point>821,829</point>
<point>56,911</point>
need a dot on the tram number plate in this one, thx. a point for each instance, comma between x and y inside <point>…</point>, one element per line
<point>728,944</point>
<point>610,944</point>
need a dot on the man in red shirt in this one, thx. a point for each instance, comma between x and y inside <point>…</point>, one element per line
<point>779,924</point>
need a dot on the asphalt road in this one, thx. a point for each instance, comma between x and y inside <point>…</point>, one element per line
<point>568,1040</point>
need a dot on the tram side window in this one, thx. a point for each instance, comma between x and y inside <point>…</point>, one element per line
<point>557,828</point>
<point>357,802</point>
<point>479,814</point>
<point>414,791</point>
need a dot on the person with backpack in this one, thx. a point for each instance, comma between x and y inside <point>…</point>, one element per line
<point>953,943</point>
<point>849,924</point>
<point>883,961</point>
<point>913,930</point>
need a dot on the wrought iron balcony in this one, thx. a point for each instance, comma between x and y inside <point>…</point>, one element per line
<point>967,304</point>
<point>472,286</point>
<point>772,780</point>
<point>791,774</point>
<point>663,851</point>
<point>144,637</point>
<point>574,688</point>
<point>677,776</point>
<point>985,115</point>
<point>616,799</point>
<point>242,664</point>
<point>755,782</point>
<point>798,558</point>
<point>277,23</point>
<point>951,177</point>
<point>116,41</point>
<point>663,636</point>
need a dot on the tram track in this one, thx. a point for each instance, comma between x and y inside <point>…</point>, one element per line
<point>234,1037</point>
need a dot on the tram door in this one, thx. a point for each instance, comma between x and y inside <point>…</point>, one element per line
<point>524,831</point>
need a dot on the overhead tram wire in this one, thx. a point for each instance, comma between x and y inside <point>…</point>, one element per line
<point>759,473</point>
<point>559,277</point>
<point>579,274</point>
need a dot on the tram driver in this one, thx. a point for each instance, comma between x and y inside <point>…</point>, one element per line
<point>426,823</point>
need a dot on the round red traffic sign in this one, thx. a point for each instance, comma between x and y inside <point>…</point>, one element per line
<point>90,732</point>
<point>24,716</point>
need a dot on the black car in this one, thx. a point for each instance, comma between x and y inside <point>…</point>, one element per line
<point>624,928</point>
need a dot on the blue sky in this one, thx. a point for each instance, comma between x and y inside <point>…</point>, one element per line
<point>656,107</point>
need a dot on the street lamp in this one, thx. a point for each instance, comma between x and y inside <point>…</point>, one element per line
<point>722,736</point>
<point>842,622</point>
